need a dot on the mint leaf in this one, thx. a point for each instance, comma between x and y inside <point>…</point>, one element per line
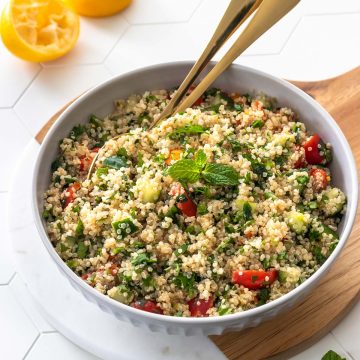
<point>200,158</point>
<point>115,162</point>
<point>219,174</point>
<point>332,355</point>
<point>185,169</point>
<point>188,129</point>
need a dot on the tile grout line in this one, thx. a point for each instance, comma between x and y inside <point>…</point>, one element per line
<point>21,305</point>
<point>115,44</point>
<point>291,33</point>
<point>341,345</point>
<point>27,87</point>
<point>31,346</point>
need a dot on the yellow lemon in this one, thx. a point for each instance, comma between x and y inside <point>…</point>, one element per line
<point>97,7</point>
<point>39,30</point>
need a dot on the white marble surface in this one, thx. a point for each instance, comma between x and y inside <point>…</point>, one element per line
<point>318,39</point>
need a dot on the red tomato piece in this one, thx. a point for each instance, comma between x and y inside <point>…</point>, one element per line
<point>95,149</point>
<point>320,179</point>
<point>312,149</point>
<point>199,307</point>
<point>200,100</point>
<point>183,201</point>
<point>254,279</point>
<point>147,305</point>
<point>70,193</point>
<point>85,276</point>
<point>85,162</point>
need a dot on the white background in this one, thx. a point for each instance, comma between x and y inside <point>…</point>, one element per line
<point>319,39</point>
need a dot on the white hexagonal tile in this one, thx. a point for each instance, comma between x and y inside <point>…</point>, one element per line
<point>318,350</point>
<point>316,49</point>
<point>346,330</point>
<point>210,12</point>
<point>135,50</point>
<point>15,75</point>
<point>11,125</point>
<point>160,11</point>
<point>97,37</point>
<point>7,269</point>
<point>53,88</point>
<point>59,347</point>
<point>32,309</point>
<point>329,6</point>
<point>17,332</point>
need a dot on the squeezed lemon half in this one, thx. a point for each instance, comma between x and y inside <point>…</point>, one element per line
<point>39,30</point>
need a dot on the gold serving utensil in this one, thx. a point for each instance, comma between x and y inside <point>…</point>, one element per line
<point>268,13</point>
<point>235,15</point>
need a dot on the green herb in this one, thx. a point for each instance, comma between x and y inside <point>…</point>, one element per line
<point>142,258</point>
<point>202,209</point>
<point>122,153</point>
<point>320,258</point>
<point>76,132</point>
<point>56,163</point>
<point>82,250</point>
<point>254,278</point>
<point>269,195</point>
<point>143,116</point>
<point>282,277</point>
<point>264,295</point>
<point>72,264</point>
<point>151,98</point>
<point>186,282</point>
<point>117,250</point>
<point>257,124</point>
<point>302,179</point>
<point>76,209</point>
<point>200,158</point>
<point>225,245</point>
<point>47,214</point>
<point>237,146</point>
<point>224,310</point>
<point>266,263</point>
<point>103,187</point>
<point>181,250</point>
<point>115,162</point>
<point>124,227</point>
<point>172,212</point>
<point>333,246</point>
<point>280,160</point>
<point>247,211</point>
<point>149,282</point>
<point>102,171</point>
<point>159,158</point>
<point>189,129</point>
<point>63,247</point>
<point>202,191</point>
<point>296,129</point>
<point>94,120</point>
<point>282,256</point>
<point>185,169</point>
<point>238,107</point>
<point>219,174</point>
<point>140,161</point>
<point>79,231</point>
<point>332,355</point>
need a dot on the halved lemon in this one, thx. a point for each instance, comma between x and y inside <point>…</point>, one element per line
<point>97,7</point>
<point>39,30</point>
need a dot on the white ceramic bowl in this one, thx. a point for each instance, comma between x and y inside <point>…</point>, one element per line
<point>99,100</point>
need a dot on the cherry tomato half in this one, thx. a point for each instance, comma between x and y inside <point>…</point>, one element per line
<point>254,279</point>
<point>70,193</point>
<point>147,305</point>
<point>319,179</point>
<point>199,307</point>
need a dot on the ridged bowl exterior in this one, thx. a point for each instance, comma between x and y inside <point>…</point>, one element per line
<point>99,100</point>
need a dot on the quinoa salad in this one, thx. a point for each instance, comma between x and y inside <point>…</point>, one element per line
<point>217,210</point>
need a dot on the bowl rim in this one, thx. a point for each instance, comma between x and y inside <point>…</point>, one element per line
<point>230,318</point>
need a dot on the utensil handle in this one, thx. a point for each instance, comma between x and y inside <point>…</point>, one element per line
<point>236,13</point>
<point>268,13</point>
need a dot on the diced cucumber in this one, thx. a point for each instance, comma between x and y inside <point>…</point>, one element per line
<point>149,192</point>
<point>283,139</point>
<point>289,274</point>
<point>239,203</point>
<point>332,201</point>
<point>124,227</point>
<point>297,221</point>
<point>122,294</point>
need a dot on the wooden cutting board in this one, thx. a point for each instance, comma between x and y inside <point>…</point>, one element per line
<point>314,317</point>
